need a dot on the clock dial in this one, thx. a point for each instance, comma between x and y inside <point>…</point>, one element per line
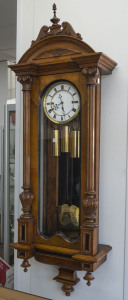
<point>62,102</point>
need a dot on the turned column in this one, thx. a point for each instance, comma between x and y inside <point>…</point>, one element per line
<point>27,86</point>
<point>90,203</point>
<point>89,228</point>
<point>26,220</point>
<point>27,196</point>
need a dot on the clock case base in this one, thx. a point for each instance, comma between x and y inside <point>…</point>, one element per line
<point>68,260</point>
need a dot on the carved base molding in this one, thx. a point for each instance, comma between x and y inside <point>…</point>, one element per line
<point>68,278</point>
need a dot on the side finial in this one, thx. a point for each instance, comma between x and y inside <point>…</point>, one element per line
<point>54,20</point>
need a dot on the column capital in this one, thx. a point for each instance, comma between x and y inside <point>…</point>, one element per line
<point>26,81</point>
<point>92,74</point>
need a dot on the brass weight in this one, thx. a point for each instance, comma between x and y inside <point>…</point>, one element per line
<point>65,133</point>
<point>55,142</point>
<point>75,144</point>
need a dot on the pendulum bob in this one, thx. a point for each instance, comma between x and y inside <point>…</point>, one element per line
<point>64,216</point>
<point>55,143</point>
<point>68,218</point>
<point>69,215</point>
<point>75,144</point>
<point>65,132</point>
<point>74,212</point>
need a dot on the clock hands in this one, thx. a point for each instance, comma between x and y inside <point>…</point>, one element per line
<point>62,108</point>
<point>56,106</point>
<point>60,96</point>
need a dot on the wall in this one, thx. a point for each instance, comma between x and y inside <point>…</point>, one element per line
<point>7,91</point>
<point>7,87</point>
<point>103,25</point>
<point>11,83</point>
<point>3,88</point>
<point>3,99</point>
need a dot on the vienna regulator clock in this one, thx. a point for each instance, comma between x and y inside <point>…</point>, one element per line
<point>61,79</point>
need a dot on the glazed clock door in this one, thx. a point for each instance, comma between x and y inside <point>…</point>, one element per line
<point>59,160</point>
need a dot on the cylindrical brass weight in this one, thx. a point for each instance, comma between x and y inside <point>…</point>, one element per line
<point>75,144</point>
<point>65,131</point>
<point>55,143</point>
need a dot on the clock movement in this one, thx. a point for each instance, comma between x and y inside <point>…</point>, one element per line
<point>61,79</point>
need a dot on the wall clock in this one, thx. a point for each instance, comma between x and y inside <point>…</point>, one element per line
<point>61,79</point>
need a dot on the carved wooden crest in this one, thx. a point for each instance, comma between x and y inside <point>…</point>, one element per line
<point>64,29</point>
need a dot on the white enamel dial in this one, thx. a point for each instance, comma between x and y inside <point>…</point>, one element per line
<point>62,102</point>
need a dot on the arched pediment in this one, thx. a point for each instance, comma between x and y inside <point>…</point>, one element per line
<point>57,47</point>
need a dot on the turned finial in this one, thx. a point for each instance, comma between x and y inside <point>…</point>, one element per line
<point>89,277</point>
<point>54,20</point>
<point>54,9</point>
<point>25,264</point>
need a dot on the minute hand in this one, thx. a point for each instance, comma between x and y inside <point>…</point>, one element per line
<point>62,104</point>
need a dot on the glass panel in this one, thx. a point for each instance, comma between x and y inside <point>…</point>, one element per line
<point>11,179</point>
<point>59,165</point>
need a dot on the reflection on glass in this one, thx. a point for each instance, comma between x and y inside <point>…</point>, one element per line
<point>59,177</point>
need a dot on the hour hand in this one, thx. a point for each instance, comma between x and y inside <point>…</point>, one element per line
<point>55,106</point>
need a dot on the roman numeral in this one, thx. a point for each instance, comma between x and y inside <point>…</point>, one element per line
<point>69,89</point>
<point>55,89</point>
<point>50,103</point>
<point>61,118</point>
<point>74,109</point>
<point>50,110</point>
<point>69,116</point>
<point>50,96</point>
<point>74,94</point>
<point>54,116</point>
<point>62,87</point>
<point>74,101</point>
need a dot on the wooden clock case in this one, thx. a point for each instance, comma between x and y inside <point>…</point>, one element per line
<point>60,54</point>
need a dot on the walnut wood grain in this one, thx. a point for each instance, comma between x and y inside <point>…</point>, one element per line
<point>54,249</point>
<point>26,82</point>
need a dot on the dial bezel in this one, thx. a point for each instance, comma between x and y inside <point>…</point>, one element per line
<point>52,85</point>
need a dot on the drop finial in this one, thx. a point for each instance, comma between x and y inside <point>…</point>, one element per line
<point>54,20</point>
